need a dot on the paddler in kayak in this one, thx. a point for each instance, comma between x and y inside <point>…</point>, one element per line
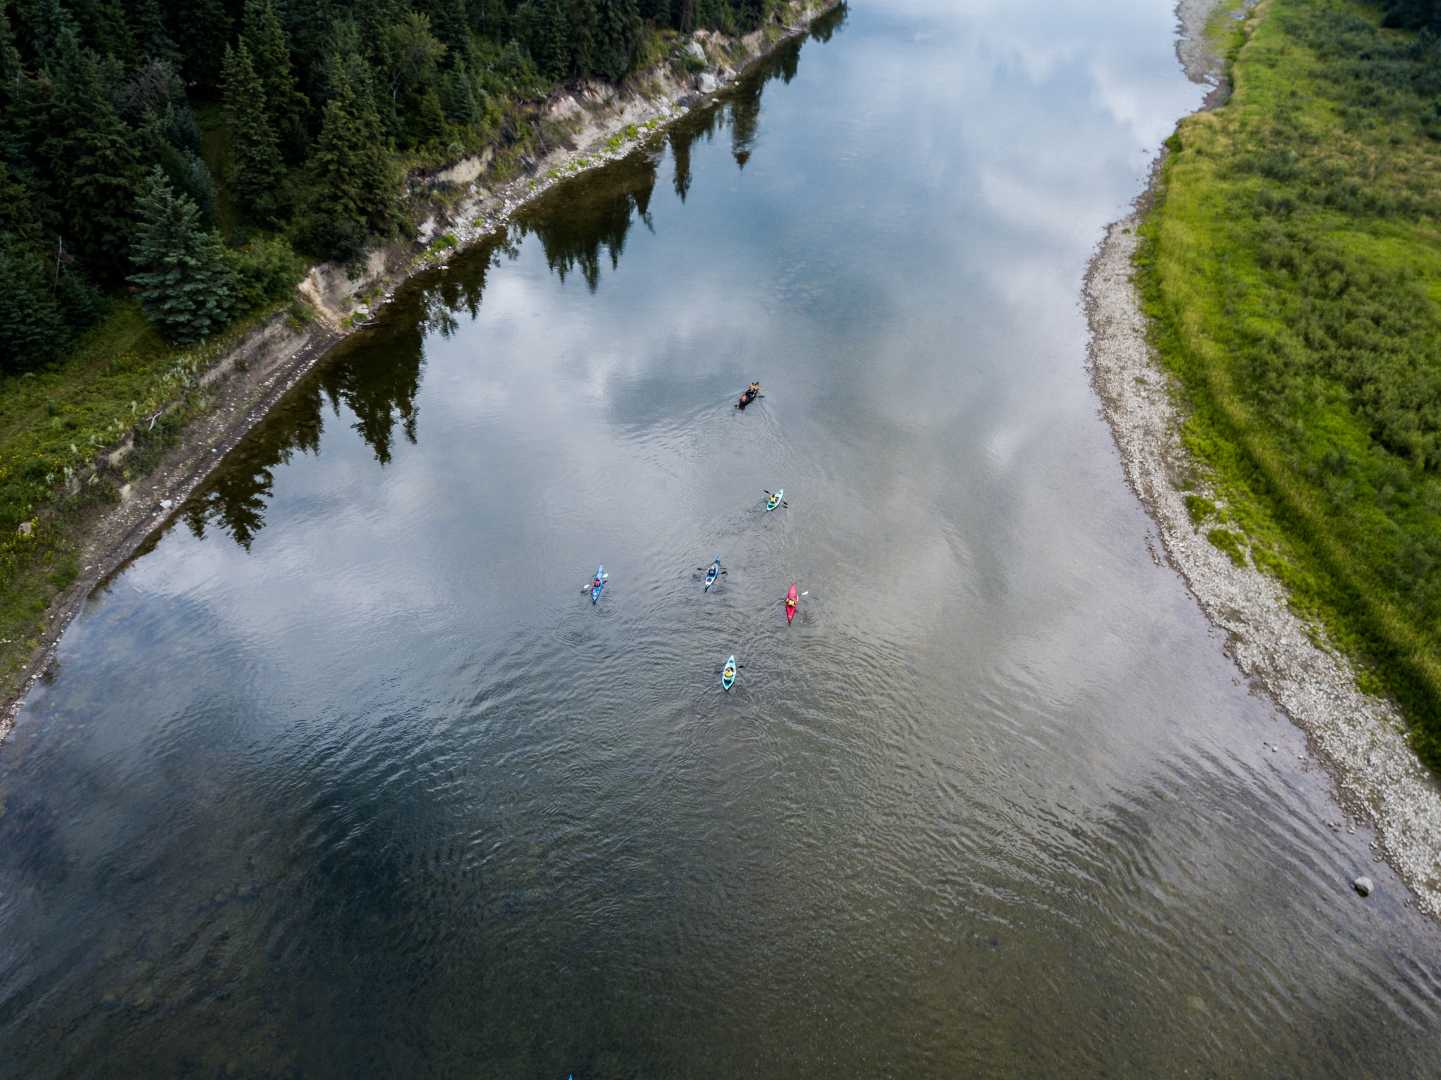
<point>749,394</point>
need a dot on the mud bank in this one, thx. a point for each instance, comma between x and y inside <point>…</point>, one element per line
<point>582,127</point>
<point>1360,739</point>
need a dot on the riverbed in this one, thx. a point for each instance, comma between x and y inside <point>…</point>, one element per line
<point>345,775</point>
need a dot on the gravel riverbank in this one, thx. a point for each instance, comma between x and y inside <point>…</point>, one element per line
<point>1359,738</point>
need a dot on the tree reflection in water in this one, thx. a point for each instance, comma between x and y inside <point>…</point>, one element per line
<point>376,374</point>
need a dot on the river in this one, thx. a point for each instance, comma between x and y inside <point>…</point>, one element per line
<point>346,776</point>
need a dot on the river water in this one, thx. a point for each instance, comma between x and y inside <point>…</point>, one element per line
<point>346,776</point>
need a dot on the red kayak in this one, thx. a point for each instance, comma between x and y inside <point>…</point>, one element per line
<point>792,599</point>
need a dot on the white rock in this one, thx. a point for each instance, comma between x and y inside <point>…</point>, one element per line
<point>1363,885</point>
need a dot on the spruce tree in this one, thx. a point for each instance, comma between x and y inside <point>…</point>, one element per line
<point>258,166</point>
<point>12,77</point>
<point>411,56</point>
<point>108,32</point>
<point>750,14</point>
<point>449,21</point>
<point>32,326</point>
<point>583,29</point>
<point>457,94</point>
<point>545,32</point>
<point>186,285</point>
<point>285,106</point>
<point>204,30</point>
<point>155,40</point>
<point>350,165</point>
<point>90,157</point>
<point>619,38</point>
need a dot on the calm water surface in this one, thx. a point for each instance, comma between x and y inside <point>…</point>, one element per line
<point>346,777</point>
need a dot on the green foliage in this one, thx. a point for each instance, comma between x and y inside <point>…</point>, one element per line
<point>1199,509</point>
<point>618,38</point>
<point>186,285</point>
<point>257,162</point>
<point>410,57</point>
<point>284,105</point>
<point>84,145</point>
<point>265,270</point>
<point>32,325</point>
<point>353,189</point>
<point>1229,542</point>
<point>1293,275</point>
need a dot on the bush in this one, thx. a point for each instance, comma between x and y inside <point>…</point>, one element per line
<point>266,269</point>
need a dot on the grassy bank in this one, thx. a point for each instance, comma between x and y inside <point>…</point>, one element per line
<point>1291,269</point>
<point>55,428</point>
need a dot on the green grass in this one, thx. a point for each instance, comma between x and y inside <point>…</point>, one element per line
<point>1291,269</point>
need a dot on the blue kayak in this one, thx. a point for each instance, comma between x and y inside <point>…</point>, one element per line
<point>597,585</point>
<point>775,500</point>
<point>712,574</point>
<point>728,673</point>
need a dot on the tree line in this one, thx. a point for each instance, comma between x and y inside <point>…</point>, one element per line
<point>111,112</point>
<point>1413,14</point>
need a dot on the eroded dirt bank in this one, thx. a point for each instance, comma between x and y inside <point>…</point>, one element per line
<point>1359,738</point>
<point>587,126</point>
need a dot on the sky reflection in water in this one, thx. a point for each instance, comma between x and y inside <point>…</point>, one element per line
<point>347,777</point>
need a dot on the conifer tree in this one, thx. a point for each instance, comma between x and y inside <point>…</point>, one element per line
<point>412,55</point>
<point>40,26</point>
<point>154,38</point>
<point>89,155</point>
<point>449,21</point>
<point>750,14</point>
<point>108,31</point>
<point>619,38</point>
<point>457,94</point>
<point>491,18</point>
<point>204,29</point>
<point>186,285</point>
<point>583,31</point>
<point>32,326</point>
<point>12,74</point>
<point>350,166</point>
<point>545,30</point>
<point>285,106</point>
<point>258,167</point>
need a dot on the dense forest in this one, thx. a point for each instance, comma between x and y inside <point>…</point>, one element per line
<point>1412,14</point>
<point>115,113</point>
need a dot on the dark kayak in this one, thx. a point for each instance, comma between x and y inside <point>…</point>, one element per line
<point>747,396</point>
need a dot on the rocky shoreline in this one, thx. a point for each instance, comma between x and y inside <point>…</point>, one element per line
<point>1360,739</point>
<point>459,207</point>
